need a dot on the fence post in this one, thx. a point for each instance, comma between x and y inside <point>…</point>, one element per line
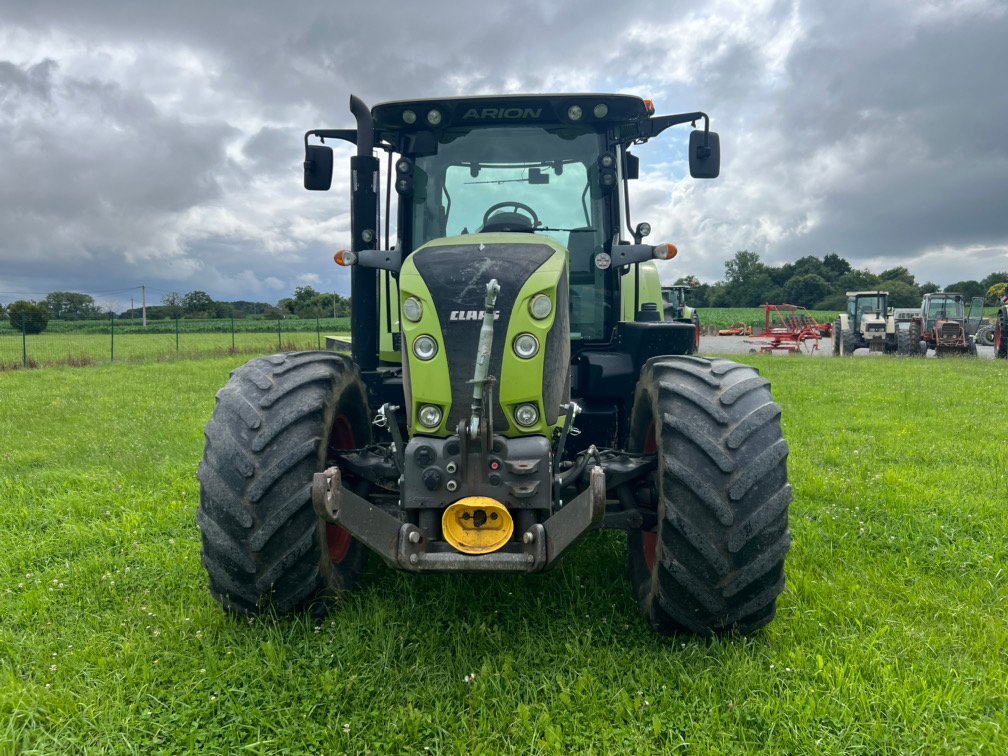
<point>112,321</point>
<point>232,334</point>
<point>318,332</point>
<point>279,341</point>
<point>24,339</point>
<point>176,334</point>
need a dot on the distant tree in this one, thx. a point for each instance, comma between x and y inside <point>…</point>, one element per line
<point>3,312</point>
<point>172,302</point>
<point>929,288</point>
<point>994,278</point>
<point>806,290</point>
<point>836,265</point>
<point>197,304</point>
<point>901,294</point>
<point>71,305</point>
<point>858,280</point>
<point>692,281</point>
<point>272,313</point>
<point>742,266</point>
<point>835,301</point>
<point>898,274</point>
<point>968,289</point>
<point>29,317</point>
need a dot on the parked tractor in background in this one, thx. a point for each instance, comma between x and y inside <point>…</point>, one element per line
<point>942,324</point>
<point>513,383</point>
<point>868,323</point>
<point>676,309</point>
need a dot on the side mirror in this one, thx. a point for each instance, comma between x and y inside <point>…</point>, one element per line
<point>704,159</point>
<point>631,168</point>
<point>318,165</point>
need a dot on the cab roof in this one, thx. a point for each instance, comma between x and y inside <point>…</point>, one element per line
<point>601,111</point>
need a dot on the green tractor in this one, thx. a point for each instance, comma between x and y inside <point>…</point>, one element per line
<point>513,382</point>
<point>675,307</point>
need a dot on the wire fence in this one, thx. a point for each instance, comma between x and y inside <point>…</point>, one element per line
<point>28,342</point>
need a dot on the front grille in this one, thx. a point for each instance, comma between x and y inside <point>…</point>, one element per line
<point>950,330</point>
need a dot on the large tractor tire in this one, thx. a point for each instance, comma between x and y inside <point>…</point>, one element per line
<point>906,345</point>
<point>715,561</point>
<point>1001,334</point>
<point>264,547</point>
<point>917,339</point>
<point>836,338</point>
<point>849,342</point>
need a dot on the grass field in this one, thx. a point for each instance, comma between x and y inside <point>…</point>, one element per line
<point>87,349</point>
<point>892,635</point>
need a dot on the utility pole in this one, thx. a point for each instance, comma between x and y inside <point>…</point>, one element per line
<point>143,290</point>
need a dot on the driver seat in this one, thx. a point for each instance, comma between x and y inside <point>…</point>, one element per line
<point>508,221</point>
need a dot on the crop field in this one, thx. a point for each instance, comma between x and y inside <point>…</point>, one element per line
<point>892,635</point>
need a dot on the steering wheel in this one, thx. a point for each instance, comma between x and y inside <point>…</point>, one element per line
<point>508,220</point>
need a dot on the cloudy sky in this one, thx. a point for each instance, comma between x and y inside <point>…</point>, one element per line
<point>160,143</point>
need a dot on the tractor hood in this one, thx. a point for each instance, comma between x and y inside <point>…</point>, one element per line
<point>449,277</point>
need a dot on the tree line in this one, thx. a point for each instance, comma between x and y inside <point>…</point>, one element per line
<point>33,316</point>
<point>821,284</point>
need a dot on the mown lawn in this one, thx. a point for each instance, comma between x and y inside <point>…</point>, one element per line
<point>891,637</point>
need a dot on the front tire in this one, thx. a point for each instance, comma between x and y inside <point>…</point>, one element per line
<point>264,548</point>
<point>715,562</point>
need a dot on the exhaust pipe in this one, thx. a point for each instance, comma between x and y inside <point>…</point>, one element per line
<point>364,230</point>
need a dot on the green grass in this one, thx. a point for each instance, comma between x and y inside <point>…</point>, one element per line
<point>892,635</point>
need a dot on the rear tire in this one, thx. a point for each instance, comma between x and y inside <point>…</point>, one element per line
<point>715,562</point>
<point>696,324</point>
<point>1001,334</point>
<point>836,338</point>
<point>905,344</point>
<point>264,548</point>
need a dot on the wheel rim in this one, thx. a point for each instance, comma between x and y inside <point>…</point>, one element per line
<point>339,539</point>
<point>649,539</point>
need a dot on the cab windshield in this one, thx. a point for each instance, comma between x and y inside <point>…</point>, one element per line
<point>942,308</point>
<point>532,179</point>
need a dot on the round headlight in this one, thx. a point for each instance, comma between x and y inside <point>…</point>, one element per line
<point>434,117</point>
<point>412,309</point>
<point>540,306</point>
<point>408,116</point>
<point>429,416</point>
<point>574,112</point>
<point>601,110</point>
<point>526,415</point>
<point>425,347</point>
<point>526,345</point>
<point>607,160</point>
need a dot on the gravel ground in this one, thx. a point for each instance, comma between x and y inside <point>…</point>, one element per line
<point>748,345</point>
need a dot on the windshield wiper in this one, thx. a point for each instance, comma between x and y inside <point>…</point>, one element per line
<point>549,228</point>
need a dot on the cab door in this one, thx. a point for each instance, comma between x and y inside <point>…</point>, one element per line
<point>975,314</point>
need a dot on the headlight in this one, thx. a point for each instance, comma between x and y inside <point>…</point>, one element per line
<point>429,416</point>
<point>526,345</point>
<point>526,415</point>
<point>425,347</point>
<point>541,306</point>
<point>412,308</point>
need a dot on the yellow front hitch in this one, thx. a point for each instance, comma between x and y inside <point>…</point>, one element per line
<point>477,525</point>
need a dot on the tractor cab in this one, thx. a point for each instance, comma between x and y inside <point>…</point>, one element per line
<point>867,311</point>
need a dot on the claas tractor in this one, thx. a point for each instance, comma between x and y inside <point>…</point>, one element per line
<point>675,308</point>
<point>867,323</point>
<point>943,325</point>
<point>513,383</point>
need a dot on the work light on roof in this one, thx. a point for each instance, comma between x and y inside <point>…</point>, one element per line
<point>574,112</point>
<point>409,117</point>
<point>434,117</point>
<point>601,110</point>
